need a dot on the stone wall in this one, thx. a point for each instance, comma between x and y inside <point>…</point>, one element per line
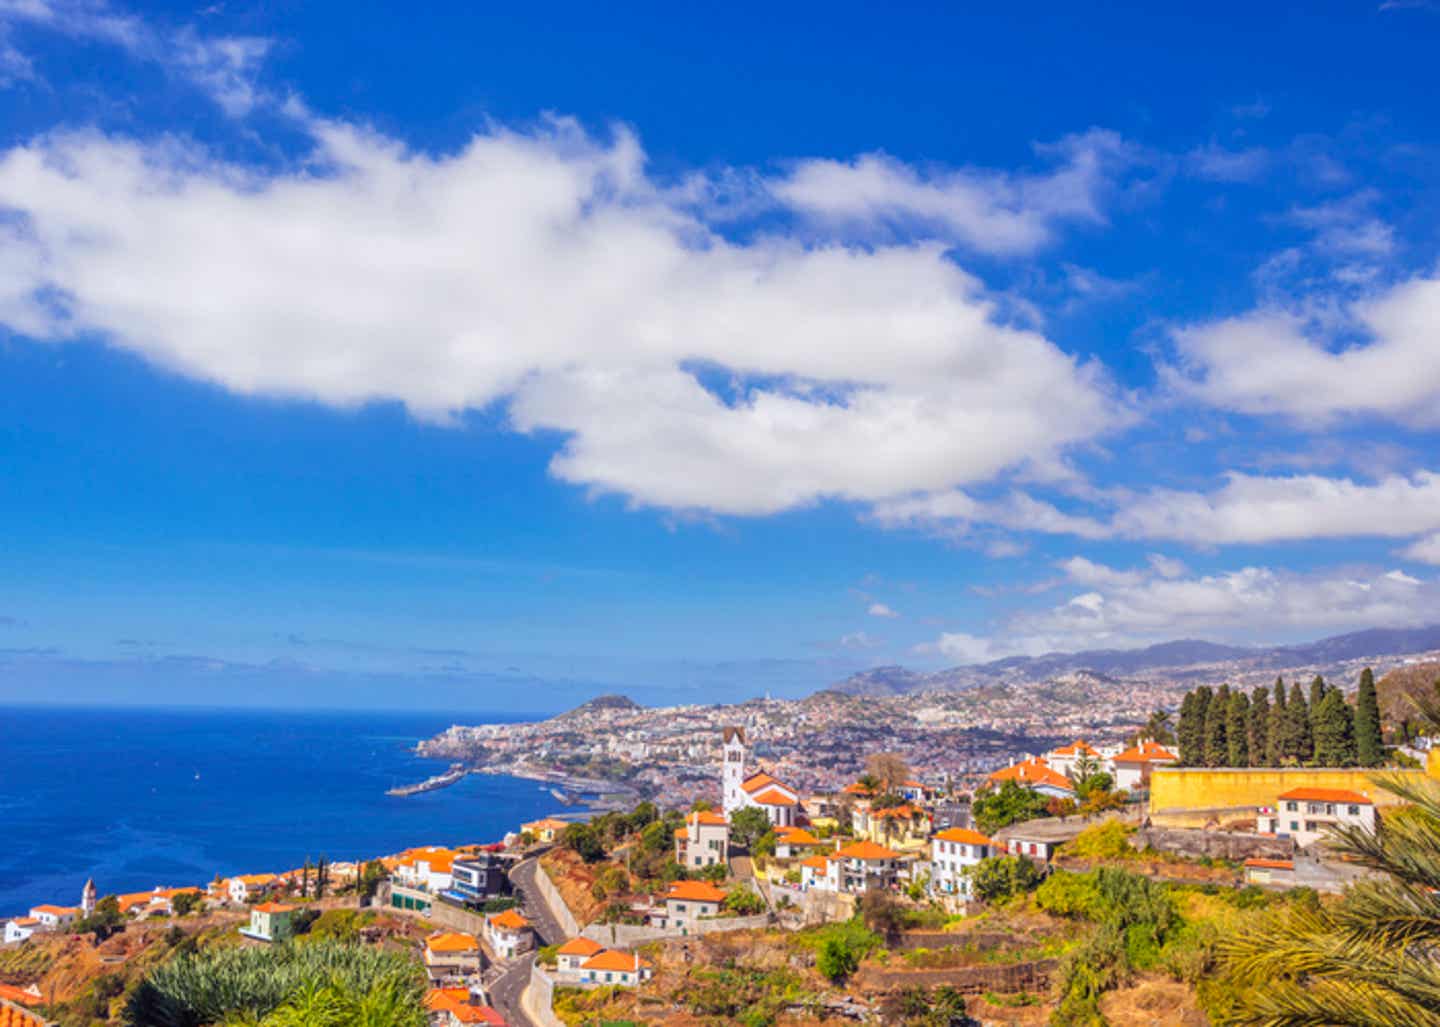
<point>1193,843</point>
<point>551,897</point>
<point>538,1000</point>
<point>623,936</point>
<point>1195,796</point>
<point>971,980</point>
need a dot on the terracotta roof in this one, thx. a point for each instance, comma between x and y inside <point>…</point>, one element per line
<point>509,920</point>
<point>695,891</point>
<point>857,789</point>
<point>1080,747</point>
<point>443,998</point>
<point>867,850</point>
<point>15,1016</point>
<point>24,921</point>
<point>25,996</point>
<point>701,816</point>
<point>757,781</point>
<point>274,907</point>
<point>1327,795</point>
<point>55,910</point>
<point>1270,864</point>
<point>546,824</point>
<point>580,946</point>
<point>817,862</point>
<point>456,1002</point>
<point>1146,752</point>
<point>612,959</point>
<point>798,836</point>
<point>1034,771</point>
<point>963,835</point>
<point>773,797</point>
<point>451,941</point>
<point>902,812</point>
<point>682,832</point>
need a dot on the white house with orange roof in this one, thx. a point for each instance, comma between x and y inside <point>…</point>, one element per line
<point>703,841</point>
<point>459,1007</point>
<point>429,868</point>
<point>1064,759</point>
<point>246,888</point>
<point>906,825</point>
<point>271,921</point>
<point>791,842</point>
<point>820,872</point>
<point>54,918</point>
<point>570,956</point>
<point>19,928</point>
<point>451,954</point>
<point>866,866</point>
<point>953,852</point>
<point>1133,766</point>
<point>611,966</point>
<point>1037,775</point>
<point>780,802</point>
<point>509,934</point>
<point>1308,815</point>
<point>688,901</point>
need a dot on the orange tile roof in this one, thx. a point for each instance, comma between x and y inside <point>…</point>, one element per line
<point>580,946</point>
<point>902,812</point>
<point>451,941</point>
<point>963,835</point>
<point>1146,752</point>
<point>798,836</point>
<point>14,1016</point>
<point>1077,748</point>
<point>55,910</point>
<point>24,921</point>
<point>1270,864</point>
<point>773,797</point>
<point>707,817</point>
<point>509,920</point>
<point>612,959</point>
<point>24,996</point>
<point>275,907</point>
<point>816,863</point>
<point>682,832</point>
<point>867,850</point>
<point>695,891</point>
<point>545,824</point>
<point>1327,795</point>
<point>443,998</point>
<point>757,780</point>
<point>857,789</point>
<point>1034,771</point>
<point>249,879</point>
<point>441,860</point>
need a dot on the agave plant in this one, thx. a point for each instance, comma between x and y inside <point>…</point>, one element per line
<point>1371,959</point>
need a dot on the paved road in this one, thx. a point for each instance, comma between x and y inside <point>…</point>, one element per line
<point>506,989</point>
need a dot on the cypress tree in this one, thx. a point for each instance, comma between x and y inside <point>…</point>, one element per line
<point>1299,743</point>
<point>1187,733</point>
<point>1260,728</point>
<point>1275,740</point>
<point>1217,715</point>
<point>1317,692</point>
<point>1334,732</point>
<point>1369,744</point>
<point>1237,730</point>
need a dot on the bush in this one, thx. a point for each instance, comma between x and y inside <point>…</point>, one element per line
<point>744,902</point>
<point>1001,877</point>
<point>1110,840</point>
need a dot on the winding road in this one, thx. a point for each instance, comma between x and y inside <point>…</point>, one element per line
<point>510,985</point>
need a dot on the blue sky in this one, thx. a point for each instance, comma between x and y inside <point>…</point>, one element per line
<point>484,359</point>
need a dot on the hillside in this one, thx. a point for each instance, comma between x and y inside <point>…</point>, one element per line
<point>1397,688</point>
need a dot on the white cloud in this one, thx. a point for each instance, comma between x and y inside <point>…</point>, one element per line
<point>1087,572</point>
<point>1273,361</point>
<point>1165,566</point>
<point>1252,509</point>
<point>954,512</point>
<point>881,610</point>
<point>1218,164</point>
<point>859,640</point>
<point>1253,603</point>
<point>224,67</point>
<point>545,271</point>
<point>982,209</point>
<point>1426,550</point>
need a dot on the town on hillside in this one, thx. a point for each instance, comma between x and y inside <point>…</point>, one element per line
<point>1089,882</point>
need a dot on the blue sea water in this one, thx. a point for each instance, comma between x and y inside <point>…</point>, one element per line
<point>139,798</point>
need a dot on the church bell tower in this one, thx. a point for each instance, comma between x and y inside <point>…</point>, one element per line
<point>732,769</point>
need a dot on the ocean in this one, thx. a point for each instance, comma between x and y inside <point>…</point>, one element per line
<point>139,798</point>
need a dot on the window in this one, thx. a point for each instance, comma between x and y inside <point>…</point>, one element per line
<point>1294,825</point>
<point>1354,811</point>
<point>1292,807</point>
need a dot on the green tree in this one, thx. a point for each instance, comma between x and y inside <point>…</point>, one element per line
<point>1279,728</point>
<point>1237,730</point>
<point>105,920</point>
<point>1188,733</point>
<point>584,840</point>
<point>1259,728</point>
<point>1369,745</point>
<point>1334,731</point>
<point>836,959</point>
<point>656,837</point>
<point>371,876</point>
<point>1318,688</point>
<point>1011,803</point>
<point>1299,745</point>
<point>186,902</point>
<point>1000,877</point>
<point>748,826</point>
<point>1217,713</point>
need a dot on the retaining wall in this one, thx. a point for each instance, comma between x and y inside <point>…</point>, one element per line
<point>551,896</point>
<point>628,935</point>
<point>971,980</point>
<point>1196,844</point>
<point>538,1000</point>
<point>1194,796</point>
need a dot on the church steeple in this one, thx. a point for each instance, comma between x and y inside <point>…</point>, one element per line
<point>732,768</point>
<point>87,898</point>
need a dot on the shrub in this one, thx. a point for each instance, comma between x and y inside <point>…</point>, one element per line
<point>1110,840</point>
<point>1000,877</point>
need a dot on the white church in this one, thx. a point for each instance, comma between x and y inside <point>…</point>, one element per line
<point>780,802</point>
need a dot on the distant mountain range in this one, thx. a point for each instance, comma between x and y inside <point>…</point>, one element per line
<point>1180,660</point>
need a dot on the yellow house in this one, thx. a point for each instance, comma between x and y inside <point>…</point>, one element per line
<point>545,831</point>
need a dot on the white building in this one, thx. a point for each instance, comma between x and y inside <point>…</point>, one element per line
<point>430,868</point>
<point>611,966</point>
<point>791,842</point>
<point>1133,766</point>
<point>820,873</point>
<point>508,933</point>
<point>573,954</point>
<point>53,918</point>
<point>1036,774</point>
<point>703,841</point>
<point>780,802</point>
<point>688,901</point>
<point>952,853</point>
<point>1067,758</point>
<point>1308,814</point>
<point>20,928</point>
<point>249,887</point>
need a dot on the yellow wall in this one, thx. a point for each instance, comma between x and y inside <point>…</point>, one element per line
<point>1183,795</point>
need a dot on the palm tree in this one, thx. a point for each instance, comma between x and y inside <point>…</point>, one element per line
<point>1368,960</point>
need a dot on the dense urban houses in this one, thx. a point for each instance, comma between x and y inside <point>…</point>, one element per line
<point>1308,815</point>
<point>953,852</point>
<point>703,841</point>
